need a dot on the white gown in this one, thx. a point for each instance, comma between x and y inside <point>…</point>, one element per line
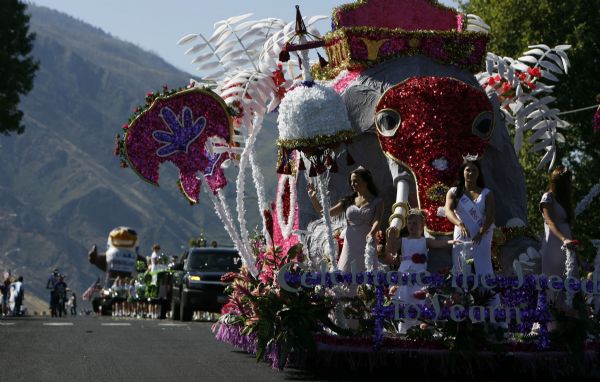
<point>472,213</point>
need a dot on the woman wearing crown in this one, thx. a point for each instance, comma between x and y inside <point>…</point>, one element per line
<point>470,207</point>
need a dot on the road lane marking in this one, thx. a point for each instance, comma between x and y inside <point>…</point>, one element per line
<point>172,324</point>
<point>58,324</point>
<point>6,323</point>
<point>115,324</point>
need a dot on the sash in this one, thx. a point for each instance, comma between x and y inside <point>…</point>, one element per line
<point>469,214</point>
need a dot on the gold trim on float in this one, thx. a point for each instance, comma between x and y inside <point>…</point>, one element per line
<point>399,216</point>
<point>404,205</point>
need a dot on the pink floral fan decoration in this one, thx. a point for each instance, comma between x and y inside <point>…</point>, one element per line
<point>181,127</point>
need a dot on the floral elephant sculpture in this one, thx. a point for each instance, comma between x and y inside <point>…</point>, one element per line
<point>405,70</point>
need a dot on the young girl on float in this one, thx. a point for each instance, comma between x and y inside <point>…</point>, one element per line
<point>413,254</point>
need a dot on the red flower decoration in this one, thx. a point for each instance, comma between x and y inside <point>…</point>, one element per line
<point>573,244</point>
<point>535,72</point>
<point>229,277</point>
<point>340,243</point>
<point>420,295</point>
<point>279,81</point>
<point>419,258</point>
<point>268,221</point>
<point>117,149</point>
<point>506,87</point>
<point>380,237</point>
<point>437,115</point>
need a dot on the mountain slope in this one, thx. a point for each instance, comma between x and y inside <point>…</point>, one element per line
<point>61,179</point>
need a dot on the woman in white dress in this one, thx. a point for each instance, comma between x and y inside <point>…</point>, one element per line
<point>470,207</point>
<point>557,211</point>
<point>363,211</point>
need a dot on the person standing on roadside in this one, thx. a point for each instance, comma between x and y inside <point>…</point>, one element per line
<point>73,304</point>
<point>50,284</point>
<point>19,292</point>
<point>155,257</point>
<point>5,294</point>
<point>60,295</point>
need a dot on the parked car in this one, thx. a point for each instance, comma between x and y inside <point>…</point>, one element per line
<point>197,281</point>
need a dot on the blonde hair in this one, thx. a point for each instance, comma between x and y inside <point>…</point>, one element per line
<point>416,212</point>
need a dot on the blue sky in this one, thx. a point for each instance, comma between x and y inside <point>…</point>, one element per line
<point>156,25</point>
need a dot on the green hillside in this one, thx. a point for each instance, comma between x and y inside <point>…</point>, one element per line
<point>61,189</point>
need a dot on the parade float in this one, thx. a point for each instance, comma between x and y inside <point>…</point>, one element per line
<point>123,265</point>
<point>120,257</point>
<point>407,91</point>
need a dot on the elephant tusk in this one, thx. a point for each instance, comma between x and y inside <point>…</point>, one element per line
<point>400,208</point>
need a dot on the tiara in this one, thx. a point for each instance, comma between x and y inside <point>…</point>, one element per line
<point>416,211</point>
<point>471,158</point>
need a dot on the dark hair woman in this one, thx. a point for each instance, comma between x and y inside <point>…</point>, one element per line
<point>365,177</point>
<point>556,208</point>
<point>460,181</point>
<point>471,208</point>
<point>364,210</point>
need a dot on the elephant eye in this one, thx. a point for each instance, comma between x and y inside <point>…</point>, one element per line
<point>387,122</point>
<point>483,125</point>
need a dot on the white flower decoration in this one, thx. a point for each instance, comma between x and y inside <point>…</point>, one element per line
<point>310,111</point>
<point>440,164</point>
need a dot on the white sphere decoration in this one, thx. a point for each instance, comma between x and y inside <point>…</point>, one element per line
<point>311,114</point>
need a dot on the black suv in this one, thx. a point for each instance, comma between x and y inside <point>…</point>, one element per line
<point>197,281</point>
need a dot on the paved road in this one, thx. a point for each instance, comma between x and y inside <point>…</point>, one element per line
<point>119,349</point>
<point>107,349</point>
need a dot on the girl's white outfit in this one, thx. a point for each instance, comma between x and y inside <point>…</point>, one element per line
<point>405,294</point>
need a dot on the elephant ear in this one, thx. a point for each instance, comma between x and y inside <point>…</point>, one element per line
<point>361,101</point>
<point>182,127</point>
